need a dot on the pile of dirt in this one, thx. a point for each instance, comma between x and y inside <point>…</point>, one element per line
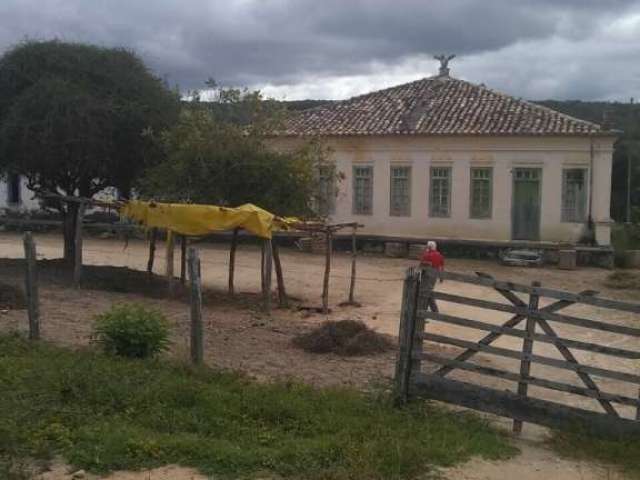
<point>11,297</point>
<point>344,337</point>
<point>623,280</point>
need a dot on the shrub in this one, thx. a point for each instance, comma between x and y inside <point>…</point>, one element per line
<point>11,297</point>
<point>623,280</point>
<point>345,337</point>
<point>132,331</point>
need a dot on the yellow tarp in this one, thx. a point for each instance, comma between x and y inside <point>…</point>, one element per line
<point>197,220</point>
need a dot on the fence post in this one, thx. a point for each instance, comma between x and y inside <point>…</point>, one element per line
<point>327,272</point>
<point>527,349</point>
<point>354,256</point>
<point>268,267</point>
<point>169,260</point>
<point>77,264</point>
<point>232,260</point>
<point>152,250</point>
<point>197,349</point>
<point>406,333</point>
<point>282,293</point>
<point>183,258</point>
<point>31,286</point>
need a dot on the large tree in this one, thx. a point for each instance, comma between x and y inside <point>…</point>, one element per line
<point>219,153</point>
<point>75,119</point>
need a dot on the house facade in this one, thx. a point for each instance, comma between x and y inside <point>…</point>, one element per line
<point>441,158</point>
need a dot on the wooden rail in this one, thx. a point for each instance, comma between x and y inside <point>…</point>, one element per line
<point>422,302</point>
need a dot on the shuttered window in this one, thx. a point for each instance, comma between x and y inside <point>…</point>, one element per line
<point>400,189</point>
<point>362,190</point>
<point>481,192</point>
<point>440,196</point>
<point>574,195</point>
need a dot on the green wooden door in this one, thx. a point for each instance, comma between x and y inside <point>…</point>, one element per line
<point>525,210</point>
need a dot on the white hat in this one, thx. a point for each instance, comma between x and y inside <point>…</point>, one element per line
<point>431,245</point>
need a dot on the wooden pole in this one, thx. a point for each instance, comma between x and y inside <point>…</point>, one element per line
<point>527,349</point>
<point>197,344</point>
<point>354,255</point>
<point>183,259</point>
<point>267,275</point>
<point>169,259</point>
<point>31,286</point>
<point>232,260</point>
<point>262,268</point>
<point>406,335</point>
<point>282,294</point>
<point>152,250</point>
<point>77,263</point>
<point>327,271</point>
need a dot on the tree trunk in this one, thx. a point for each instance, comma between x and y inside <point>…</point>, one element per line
<point>69,232</point>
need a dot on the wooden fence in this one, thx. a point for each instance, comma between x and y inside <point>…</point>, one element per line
<point>420,303</point>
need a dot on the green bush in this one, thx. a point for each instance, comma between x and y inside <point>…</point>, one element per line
<point>132,331</point>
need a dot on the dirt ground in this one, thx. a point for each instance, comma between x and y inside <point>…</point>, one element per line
<point>244,339</point>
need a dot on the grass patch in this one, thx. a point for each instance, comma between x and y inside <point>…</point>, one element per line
<point>622,453</point>
<point>344,337</point>
<point>105,413</point>
<point>623,280</point>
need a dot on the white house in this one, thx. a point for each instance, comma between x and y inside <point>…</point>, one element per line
<point>444,158</point>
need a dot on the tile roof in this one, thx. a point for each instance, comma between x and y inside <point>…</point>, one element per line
<point>439,105</point>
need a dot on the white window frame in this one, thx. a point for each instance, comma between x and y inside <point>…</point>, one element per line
<point>576,213</point>
<point>473,213</point>
<point>436,181</point>
<point>396,209</point>
<point>367,200</point>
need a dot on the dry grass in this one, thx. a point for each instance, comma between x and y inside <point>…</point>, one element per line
<point>344,337</point>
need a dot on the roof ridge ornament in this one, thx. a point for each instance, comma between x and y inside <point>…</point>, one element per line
<point>444,64</point>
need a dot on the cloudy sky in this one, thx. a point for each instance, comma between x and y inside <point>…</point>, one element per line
<point>294,49</point>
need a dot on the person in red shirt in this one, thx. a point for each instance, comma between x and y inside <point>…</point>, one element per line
<point>431,257</point>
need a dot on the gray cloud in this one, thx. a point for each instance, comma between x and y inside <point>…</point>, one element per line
<point>256,42</point>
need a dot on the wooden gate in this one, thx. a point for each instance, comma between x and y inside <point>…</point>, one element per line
<point>422,301</point>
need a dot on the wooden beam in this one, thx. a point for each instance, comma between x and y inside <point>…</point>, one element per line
<point>529,380</point>
<point>197,342</point>
<point>232,260</point>
<point>527,350</point>
<point>406,336</point>
<point>283,302</point>
<point>587,346</point>
<point>183,258</point>
<point>77,262</point>
<point>327,272</point>
<point>524,311</point>
<point>512,322</point>
<point>169,261</point>
<point>544,292</point>
<point>31,286</point>
<point>478,347</point>
<point>354,256</point>
<point>533,410</point>
<point>268,267</point>
<point>152,249</point>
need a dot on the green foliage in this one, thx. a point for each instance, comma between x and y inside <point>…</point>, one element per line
<point>624,237</point>
<point>220,155</point>
<point>103,413</point>
<point>72,118</point>
<point>622,453</point>
<point>132,331</point>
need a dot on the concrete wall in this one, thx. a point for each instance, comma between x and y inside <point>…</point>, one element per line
<point>551,154</point>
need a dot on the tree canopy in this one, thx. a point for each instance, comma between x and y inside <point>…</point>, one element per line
<point>73,119</point>
<point>72,116</point>
<point>218,153</point>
